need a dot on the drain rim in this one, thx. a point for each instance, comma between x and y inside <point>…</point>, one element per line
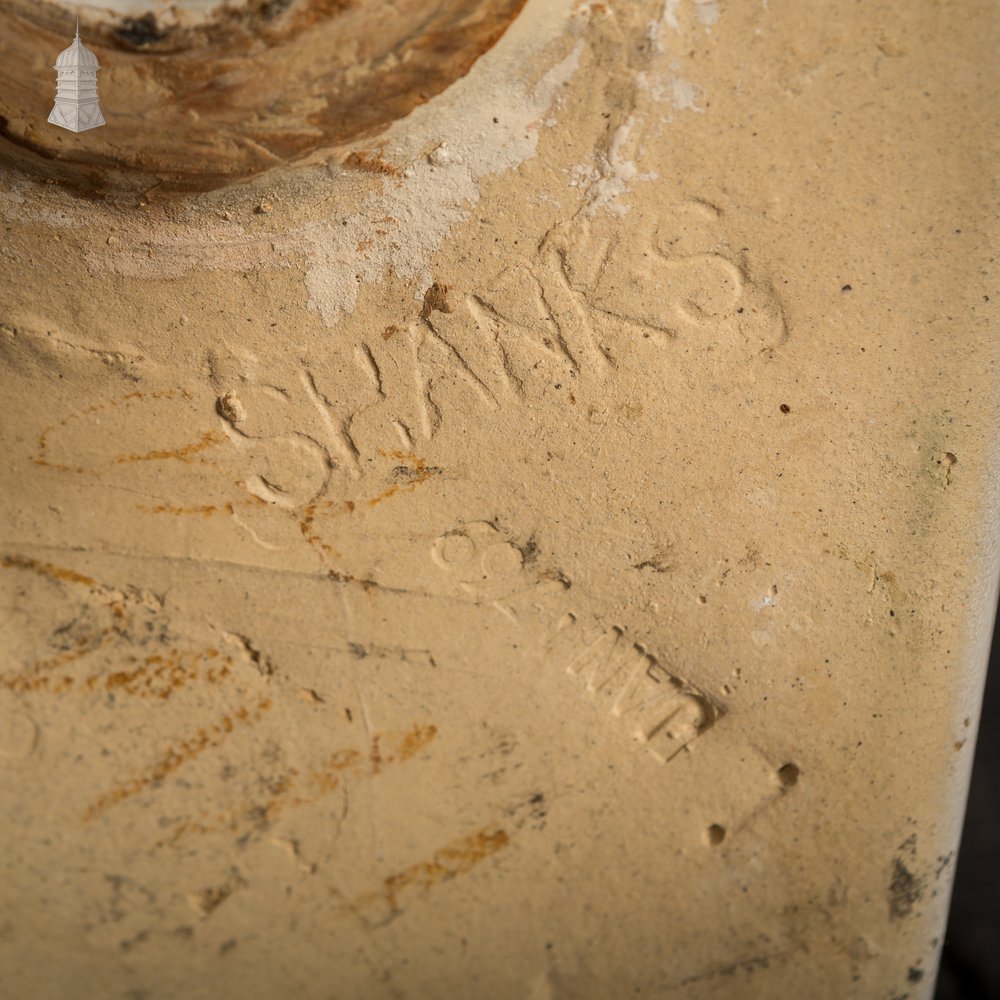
<point>200,145</point>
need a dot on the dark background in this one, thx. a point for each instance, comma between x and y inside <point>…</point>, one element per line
<point>970,963</point>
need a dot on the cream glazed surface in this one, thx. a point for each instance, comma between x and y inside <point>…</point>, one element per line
<point>540,548</point>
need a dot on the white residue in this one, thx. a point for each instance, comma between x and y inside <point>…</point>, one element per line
<point>707,12</point>
<point>417,215</point>
<point>668,17</point>
<point>581,175</point>
<point>685,95</point>
<point>613,174</point>
<point>485,124</point>
<point>665,88</point>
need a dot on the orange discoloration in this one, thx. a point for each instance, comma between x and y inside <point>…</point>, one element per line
<point>390,492</point>
<point>21,684</point>
<point>325,779</point>
<point>343,759</point>
<point>415,740</point>
<point>46,569</point>
<point>205,510</point>
<point>175,757</point>
<point>234,819</point>
<point>38,676</point>
<point>156,394</point>
<point>156,675</point>
<point>295,791</point>
<point>375,755</point>
<point>456,858</point>
<point>365,584</point>
<point>310,534</point>
<point>208,440</point>
<point>415,468</point>
<point>370,163</point>
<point>58,466</point>
<point>436,300</point>
<point>160,677</point>
<point>420,472</point>
<point>41,457</point>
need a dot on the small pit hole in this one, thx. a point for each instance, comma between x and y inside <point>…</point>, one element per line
<point>788,775</point>
<point>716,834</point>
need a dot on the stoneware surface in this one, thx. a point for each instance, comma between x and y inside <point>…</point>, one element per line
<point>542,546</point>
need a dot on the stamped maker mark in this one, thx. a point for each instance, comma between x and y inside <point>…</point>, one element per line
<point>662,711</point>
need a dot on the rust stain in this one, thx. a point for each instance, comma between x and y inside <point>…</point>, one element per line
<point>156,676</point>
<point>205,510</point>
<point>370,163</point>
<point>412,466</point>
<point>375,755</point>
<point>415,469</point>
<point>418,470</point>
<point>176,757</point>
<point>324,779</point>
<point>456,858</point>
<point>310,534</point>
<point>40,679</point>
<point>41,457</point>
<point>363,582</point>
<point>415,740</point>
<point>160,676</point>
<point>208,440</point>
<point>295,791</point>
<point>390,492</point>
<point>46,569</point>
<point>38,676</point>
<point>436,300</point>
<point>58,466</point>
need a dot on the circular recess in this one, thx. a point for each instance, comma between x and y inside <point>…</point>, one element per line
<point>195,103</point>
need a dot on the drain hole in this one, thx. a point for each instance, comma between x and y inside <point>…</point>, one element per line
<point>140,31</point>
<point>235,89</point>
